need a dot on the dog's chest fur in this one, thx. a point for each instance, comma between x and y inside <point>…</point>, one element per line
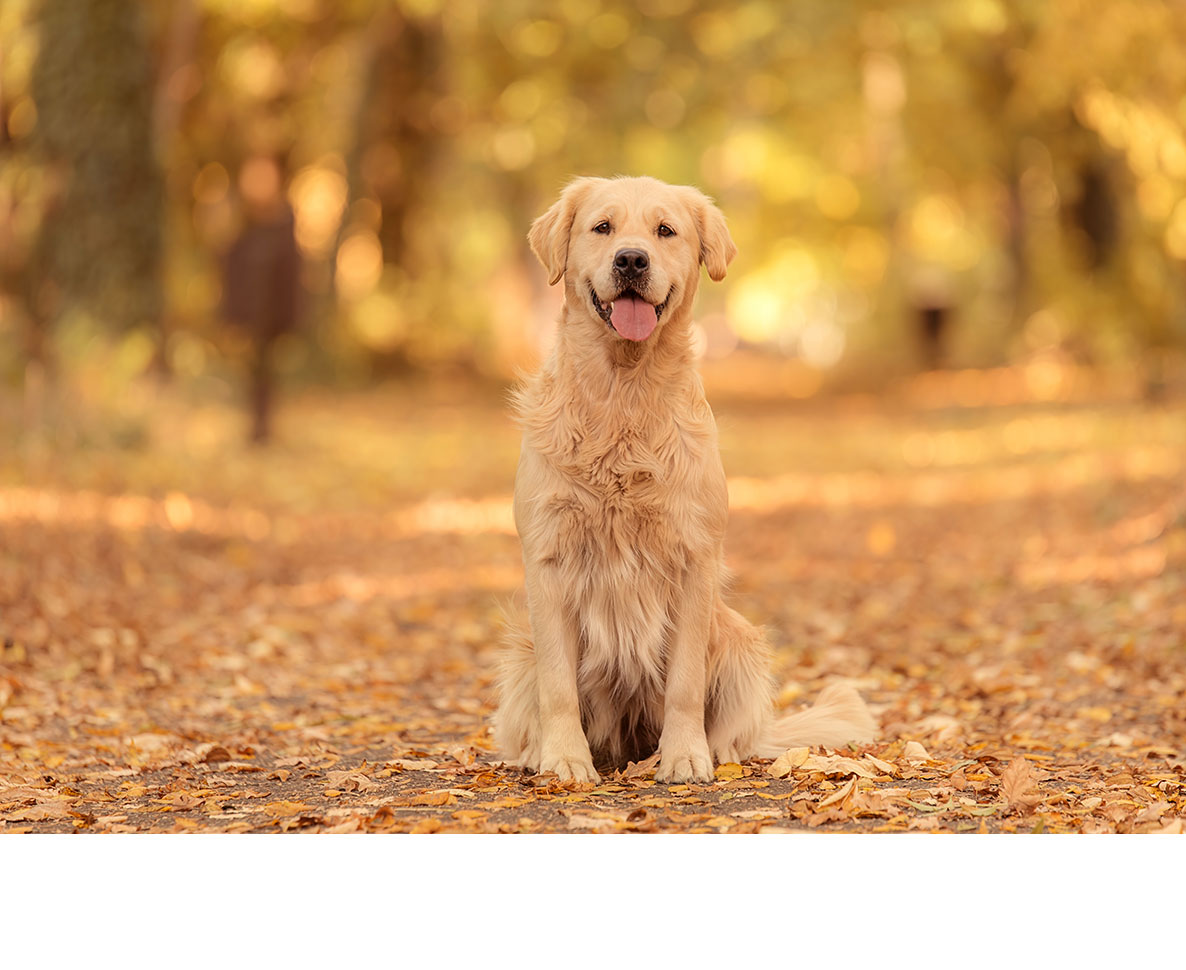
<point>624,505</point>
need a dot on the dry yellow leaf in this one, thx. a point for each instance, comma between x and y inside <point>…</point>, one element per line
<point>788,761</point>
<point>283,809</point>
<point>729,771</point>
<point>432,798</point>
<point>720,822</point>
<point>840,794</point>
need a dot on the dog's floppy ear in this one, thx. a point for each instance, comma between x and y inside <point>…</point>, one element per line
<point>717,248</point>
<point>550,232</point>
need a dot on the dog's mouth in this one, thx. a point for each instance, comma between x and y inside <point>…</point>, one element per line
<point>629,314</point>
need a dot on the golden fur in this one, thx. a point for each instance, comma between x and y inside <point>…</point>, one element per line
<point>621,506</point>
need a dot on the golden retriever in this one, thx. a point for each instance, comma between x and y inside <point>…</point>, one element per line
<point>621,505</point>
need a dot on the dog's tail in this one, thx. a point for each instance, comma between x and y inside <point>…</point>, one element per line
<point>838,717</point>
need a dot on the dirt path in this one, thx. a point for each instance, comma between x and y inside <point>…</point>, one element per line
<point>201,639</point>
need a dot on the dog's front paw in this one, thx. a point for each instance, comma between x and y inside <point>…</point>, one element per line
<point>681,765</point>
<point>571,768</point>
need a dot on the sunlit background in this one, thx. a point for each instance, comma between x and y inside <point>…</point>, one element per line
<point>948,367</point>
<point>911,185</point>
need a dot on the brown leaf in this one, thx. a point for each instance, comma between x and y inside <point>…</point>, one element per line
<point>431,798</point>
<point>1153,813</point>
<point>579,820</point>
<point>913,751</point>
<point>1016,781</point>
<point>216,754</point>
<point>46,811</point>
<point>883,766</point>
<point>351,780</point>
<point>640,769</point>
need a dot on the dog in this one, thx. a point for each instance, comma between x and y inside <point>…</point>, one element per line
<point>621,506</point>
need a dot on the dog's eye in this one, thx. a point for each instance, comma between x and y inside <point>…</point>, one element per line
<point>665,230</point>
<point>603,228</point>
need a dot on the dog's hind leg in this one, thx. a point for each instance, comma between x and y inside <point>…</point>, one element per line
<point>740,690</point>
<point>741,722</point>
<point>516,724</point>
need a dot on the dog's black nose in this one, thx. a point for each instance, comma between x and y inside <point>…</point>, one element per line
<point>631,263</point>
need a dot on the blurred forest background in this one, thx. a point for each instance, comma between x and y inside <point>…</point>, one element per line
<point>949,366</point>
<point>340,191</point>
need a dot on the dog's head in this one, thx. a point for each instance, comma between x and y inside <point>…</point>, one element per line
<point>630,249</point>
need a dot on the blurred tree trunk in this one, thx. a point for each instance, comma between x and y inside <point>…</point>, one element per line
<point>1017,242</point>
<point>179,46</point>
<point>1000,92</point>
<point>404,84</point>
<point>395,145</point>
<point>100,245</point>
<point>1096,212</point>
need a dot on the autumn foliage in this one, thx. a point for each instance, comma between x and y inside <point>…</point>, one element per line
<point>202,637</point>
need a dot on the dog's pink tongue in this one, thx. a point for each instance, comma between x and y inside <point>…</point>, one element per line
<point>633,318</point>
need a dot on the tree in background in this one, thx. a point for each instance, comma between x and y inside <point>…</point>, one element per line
<point>100,248</point>
<point>1002,177</point>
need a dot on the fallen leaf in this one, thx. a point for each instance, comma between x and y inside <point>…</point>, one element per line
<point>640,769</point>
<point>729,771</point>
<point>284,809</point>
<point>429,799</point>
<point>915,752</point>
<point>350,780</point>
<point>788,761</point>
<point>46,811</point>
<point>579,820</point>
<point>840,794</point>
<point>1016,781</point>
<point>1153,813</point>
<point>720,822</point>
<point>883,766</point>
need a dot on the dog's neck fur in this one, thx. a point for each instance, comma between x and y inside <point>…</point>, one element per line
<point>647,383</point>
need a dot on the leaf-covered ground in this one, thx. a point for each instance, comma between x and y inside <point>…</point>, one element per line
<point>197,637</point>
